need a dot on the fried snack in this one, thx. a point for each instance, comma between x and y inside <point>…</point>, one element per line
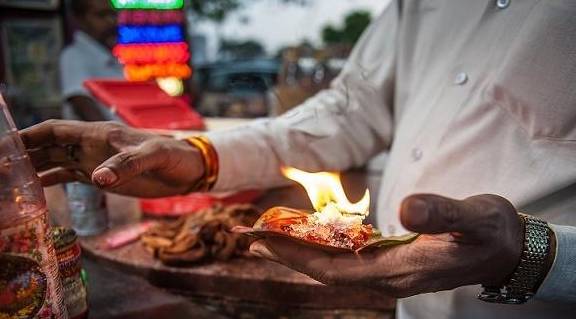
<point>202,236</point>
<point>304,227</point>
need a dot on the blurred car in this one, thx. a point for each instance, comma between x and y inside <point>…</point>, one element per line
<point>235,88</point>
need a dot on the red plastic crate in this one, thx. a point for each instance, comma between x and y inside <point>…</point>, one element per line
<point>145,105</point>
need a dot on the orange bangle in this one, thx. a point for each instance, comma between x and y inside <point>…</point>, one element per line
<point>210,160</point>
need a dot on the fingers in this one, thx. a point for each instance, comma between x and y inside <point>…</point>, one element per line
<point>53,132</point>
<point>307,260</point>
<point>474,216</point>
<point>48,158</point>
<point>125,166</point>
<point>432,214</point>
<point>62,175</point>
<point>341,269</point>
<point>259,249</point>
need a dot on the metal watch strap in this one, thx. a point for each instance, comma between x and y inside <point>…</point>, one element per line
<point>526,277</point>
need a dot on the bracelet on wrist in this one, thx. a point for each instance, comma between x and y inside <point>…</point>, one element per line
<point>210,162</point>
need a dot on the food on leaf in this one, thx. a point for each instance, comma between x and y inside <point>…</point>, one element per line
<point>335,224</point>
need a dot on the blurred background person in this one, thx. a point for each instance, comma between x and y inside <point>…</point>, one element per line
<point>89,56</point>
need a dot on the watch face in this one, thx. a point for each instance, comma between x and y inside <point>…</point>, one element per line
<point>23,287</point>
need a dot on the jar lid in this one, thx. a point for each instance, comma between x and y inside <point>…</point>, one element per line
<point>63,237</point>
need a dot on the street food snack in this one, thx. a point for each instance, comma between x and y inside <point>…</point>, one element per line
<point>336,224</point>
<point>202,236</point>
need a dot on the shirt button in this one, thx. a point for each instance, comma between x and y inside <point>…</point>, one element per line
<point>461,78</point>
<point>416,154</point>
<point>502,4</point>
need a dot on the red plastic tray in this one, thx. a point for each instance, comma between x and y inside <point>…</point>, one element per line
<point>145,105</point>
<point>183,205</point>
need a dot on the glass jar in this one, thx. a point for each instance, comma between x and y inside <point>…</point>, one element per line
<point>29,280</point>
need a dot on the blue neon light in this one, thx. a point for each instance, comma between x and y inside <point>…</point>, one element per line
<point>150,34</point>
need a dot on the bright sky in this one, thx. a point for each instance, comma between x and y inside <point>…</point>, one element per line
<point>276,25</point>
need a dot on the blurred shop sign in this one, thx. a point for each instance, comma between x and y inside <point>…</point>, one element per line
<point>148,4</point>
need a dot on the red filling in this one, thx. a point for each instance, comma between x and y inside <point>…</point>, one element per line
<point>350,236</point>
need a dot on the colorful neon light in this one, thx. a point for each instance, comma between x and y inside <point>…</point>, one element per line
<point>143,17</point>
<point>151,71</point>
<point>152,53</point>
<point>148,4</point>
<point>151,42</point>
<point>149,34</point>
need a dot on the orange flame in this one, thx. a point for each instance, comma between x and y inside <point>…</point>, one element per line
<point>324,188</point>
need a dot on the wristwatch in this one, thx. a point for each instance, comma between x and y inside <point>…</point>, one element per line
<point>532,268</point>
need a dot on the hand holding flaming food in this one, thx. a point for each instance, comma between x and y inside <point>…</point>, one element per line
<point>336,225</point>
<point>463,242</point>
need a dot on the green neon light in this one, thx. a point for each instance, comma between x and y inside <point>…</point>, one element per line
<point>148,4</point>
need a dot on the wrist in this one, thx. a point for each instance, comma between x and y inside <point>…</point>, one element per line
<point>535,262</point>
<point>208,173</point>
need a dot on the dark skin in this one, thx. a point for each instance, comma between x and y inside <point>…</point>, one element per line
<point>99,22</point>
<point>477,240</point>
<point>115,157</point>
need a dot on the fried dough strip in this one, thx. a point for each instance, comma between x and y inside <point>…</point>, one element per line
<point>201,236</point>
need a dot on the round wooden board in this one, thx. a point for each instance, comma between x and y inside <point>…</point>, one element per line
<point>247,279</point>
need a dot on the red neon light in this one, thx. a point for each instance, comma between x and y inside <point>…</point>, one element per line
<point>141,17</point>
<point>152,53</point>
<point>147,72</point>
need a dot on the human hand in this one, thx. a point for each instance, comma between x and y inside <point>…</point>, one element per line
<point>112,156</point>
<point>473,241</point>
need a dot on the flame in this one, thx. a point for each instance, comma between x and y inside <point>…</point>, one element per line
<point>325,188</point>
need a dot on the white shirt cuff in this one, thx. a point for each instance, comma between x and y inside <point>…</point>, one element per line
<point>560,283</point>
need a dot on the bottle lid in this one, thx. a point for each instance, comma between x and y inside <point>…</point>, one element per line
<point>63,237</point>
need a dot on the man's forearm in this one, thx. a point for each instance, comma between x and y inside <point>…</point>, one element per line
<point>313,137</point>
<point>339,128</point>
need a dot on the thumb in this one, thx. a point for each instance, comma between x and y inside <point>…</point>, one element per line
<point>433,214</point>
<point>125,166</point>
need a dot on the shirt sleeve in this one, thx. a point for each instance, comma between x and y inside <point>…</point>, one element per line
<point>560,283</point>
<point>339,128</point>
<point>73,72</point>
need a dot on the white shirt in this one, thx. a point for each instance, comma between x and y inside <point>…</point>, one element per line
<point>470,97</point>
<point>85,59</point>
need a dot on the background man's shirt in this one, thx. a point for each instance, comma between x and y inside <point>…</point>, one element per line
<point>85,59</point>
<point>470,97</point>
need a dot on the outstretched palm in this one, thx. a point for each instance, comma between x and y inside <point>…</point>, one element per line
<point>474,241</point>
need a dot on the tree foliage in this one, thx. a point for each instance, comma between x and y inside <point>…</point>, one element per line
<point>218,10</point>
<point>215,10</point>
<point>354,24</point>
